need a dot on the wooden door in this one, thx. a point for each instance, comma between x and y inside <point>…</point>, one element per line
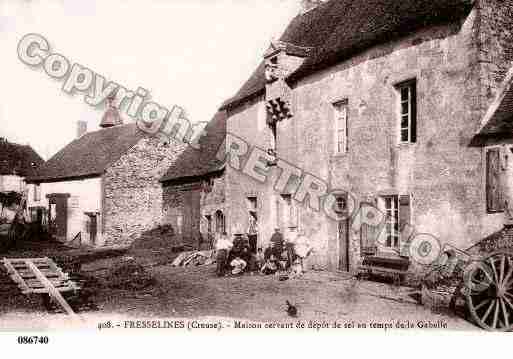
<point>343,239</point>
<point>191,216</point>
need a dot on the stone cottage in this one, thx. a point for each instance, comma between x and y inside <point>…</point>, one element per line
<point>194,188</point>
<point>104,187</point>
<point>380,100</point>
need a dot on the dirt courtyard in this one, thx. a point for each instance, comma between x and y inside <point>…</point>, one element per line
<point>195,292</point>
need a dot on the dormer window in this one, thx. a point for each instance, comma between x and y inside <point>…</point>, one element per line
<point>271,69</point>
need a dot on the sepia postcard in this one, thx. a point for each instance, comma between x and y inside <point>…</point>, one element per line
<point>263,166</point>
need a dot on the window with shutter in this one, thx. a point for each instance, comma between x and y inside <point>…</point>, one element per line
<point>368,233</point>
<point>494,201</point>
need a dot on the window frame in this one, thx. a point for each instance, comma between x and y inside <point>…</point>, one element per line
<point>341,143</point>
<point>391,222</point>
<point>208,217</point>
<point>220,222</point>
<point>412,111</point>
<point>288,210</point>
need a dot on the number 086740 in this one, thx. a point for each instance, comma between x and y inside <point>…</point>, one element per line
<point>32,339</point>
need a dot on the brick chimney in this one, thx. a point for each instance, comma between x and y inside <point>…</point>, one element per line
<point>81,128</point>
<point>307,5</point>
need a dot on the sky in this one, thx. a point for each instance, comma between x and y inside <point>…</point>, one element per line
<point>190,53</point>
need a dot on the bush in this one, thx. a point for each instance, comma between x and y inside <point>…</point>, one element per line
<point>130,275</point>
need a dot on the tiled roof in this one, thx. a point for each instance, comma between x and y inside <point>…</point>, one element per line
<point>90,154</point>
<point>340,29</point>
<point>18,159</point>
<point>194,162</point>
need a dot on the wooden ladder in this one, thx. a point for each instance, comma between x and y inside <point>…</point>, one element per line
<point>41,275</point>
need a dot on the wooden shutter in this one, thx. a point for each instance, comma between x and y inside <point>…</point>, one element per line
<point>493,187</point>
<point>404,211</point>
<point>368,236</point>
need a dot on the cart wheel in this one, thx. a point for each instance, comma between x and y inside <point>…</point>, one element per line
<point>489,285</point>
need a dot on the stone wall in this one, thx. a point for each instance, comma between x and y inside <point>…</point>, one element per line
<point>133,195</point>
<point>495,43</point>
<point>192,203</point>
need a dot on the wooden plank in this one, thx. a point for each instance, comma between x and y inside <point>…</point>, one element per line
<point>382,269</point>
<point>14,275</point>
<point>19,266</point>
<point>46,272</point>
<point>54,293</point>
<point>22,260</point>
<point>37,284</point>
<point>56,268</point>
<point>45,291</point>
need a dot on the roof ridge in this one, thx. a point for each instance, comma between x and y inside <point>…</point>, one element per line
<point>366,21</point>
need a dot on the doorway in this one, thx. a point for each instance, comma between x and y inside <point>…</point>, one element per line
<point>343,240</point>
<point>58,215</point>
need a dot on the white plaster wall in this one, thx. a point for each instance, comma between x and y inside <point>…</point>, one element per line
<point>11,183</point>
<point>85,196</point>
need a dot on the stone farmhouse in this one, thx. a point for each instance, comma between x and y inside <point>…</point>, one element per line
<point>385,100</point>
<point>108,187</point>
<point>103,188</point>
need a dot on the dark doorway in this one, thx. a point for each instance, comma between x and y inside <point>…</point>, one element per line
<point>343,239</point>
<point>58,215</point>
<point>93,229</point>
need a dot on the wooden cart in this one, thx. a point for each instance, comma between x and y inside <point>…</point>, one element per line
<point>488,288</point>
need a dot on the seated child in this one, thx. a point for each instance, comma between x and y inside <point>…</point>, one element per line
<point>270,266</point>
<point>260,261</point>
<point>238,265</point>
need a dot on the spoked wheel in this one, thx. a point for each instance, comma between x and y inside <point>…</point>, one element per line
<point>490,292</point>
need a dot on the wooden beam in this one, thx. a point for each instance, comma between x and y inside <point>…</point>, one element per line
<point>54,293</point>
<point>15,275</point>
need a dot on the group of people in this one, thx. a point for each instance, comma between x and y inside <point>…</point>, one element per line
<point>281,255</point>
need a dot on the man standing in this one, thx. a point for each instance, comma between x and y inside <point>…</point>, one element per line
<point>223,246</point>
<point>277,243</point>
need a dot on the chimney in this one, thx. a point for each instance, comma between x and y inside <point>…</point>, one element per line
<point>81,128</point>
<point>307,5</point>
